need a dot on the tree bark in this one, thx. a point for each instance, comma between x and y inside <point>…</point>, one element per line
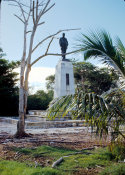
<point>36,11</point>
<point>21,123</point>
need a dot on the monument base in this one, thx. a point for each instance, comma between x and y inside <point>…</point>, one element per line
<point>64,79</point>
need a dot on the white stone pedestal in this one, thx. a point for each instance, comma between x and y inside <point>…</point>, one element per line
<point>64,79</point>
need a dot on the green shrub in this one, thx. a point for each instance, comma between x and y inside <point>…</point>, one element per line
<point>118,150</point>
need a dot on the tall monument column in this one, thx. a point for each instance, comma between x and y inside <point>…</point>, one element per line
<point>64,77</point>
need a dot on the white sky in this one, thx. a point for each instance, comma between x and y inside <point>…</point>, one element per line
<point>37,77</point>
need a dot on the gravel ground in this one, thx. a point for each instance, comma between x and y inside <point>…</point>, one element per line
<point>73,137</point>
<point>11,129</point>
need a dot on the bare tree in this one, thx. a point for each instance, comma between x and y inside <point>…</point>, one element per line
<point>34,11</point>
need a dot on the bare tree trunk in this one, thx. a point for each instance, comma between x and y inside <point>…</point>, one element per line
<point>36,10</point>
<point>21,123</point>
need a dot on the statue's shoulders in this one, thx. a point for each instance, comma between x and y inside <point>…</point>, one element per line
<point>61,38</point>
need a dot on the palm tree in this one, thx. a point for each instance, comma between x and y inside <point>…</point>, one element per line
<point>105,111</point>
<point>100,45</point>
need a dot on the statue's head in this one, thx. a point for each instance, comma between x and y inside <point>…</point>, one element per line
<point>63,34</point>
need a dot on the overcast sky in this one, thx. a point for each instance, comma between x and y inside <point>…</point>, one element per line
<point>84,14</point>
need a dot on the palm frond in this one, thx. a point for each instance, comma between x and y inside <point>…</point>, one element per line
<point>100,112</point>
<point>120,48</point>
<point>99,45</point>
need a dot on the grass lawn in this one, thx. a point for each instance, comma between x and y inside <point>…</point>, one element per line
<point>99,161</point>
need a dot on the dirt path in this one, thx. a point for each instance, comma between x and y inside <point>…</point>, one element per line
<point>74,137</point>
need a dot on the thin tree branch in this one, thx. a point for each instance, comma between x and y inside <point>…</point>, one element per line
<point>46,5</point>
<point>36,9</point>
<point>41,23</point>
<point>22,10</point>
<point>49,45</point>
<point>18,7</point>
<point>14,5</point>
<point>49,8</point>
<point>41,4</point>
<point>28,31</point>
<point>43,11</point>
<point>50,36</point>
<point>53,54</point>
<point>33,14</point>
<point>19,4</point>
<point>24,5</point>
<point>19,18</point>
<point>30,10</point>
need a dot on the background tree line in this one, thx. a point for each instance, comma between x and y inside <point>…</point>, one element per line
<point>88,78</point>
<point>8,88</point>
<point>9,91</point>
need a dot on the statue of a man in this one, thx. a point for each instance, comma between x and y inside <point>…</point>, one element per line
<point>63,44</point>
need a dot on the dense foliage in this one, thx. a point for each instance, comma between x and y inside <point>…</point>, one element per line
<point>40,100</point>
<point>90,78</point>
<point>9,96</point>
<point>8,88</point>
<point>50,80</point>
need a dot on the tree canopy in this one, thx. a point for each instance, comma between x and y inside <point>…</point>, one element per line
<point>40,100</point>
<point>93,79</point>
<point>8,88</point>
<point>50,82</point>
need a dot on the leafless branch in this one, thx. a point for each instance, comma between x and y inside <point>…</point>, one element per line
<point>50,36</point>
<point>21,10</point>
<point>44,10</point>
<point>19,2</point>
<point>14,5</point>
<point>30,10</point>
<point>46,5</point>
<point>49,45</point>
<point>53,54</point>
<point>19,5</point>
<point>49,8</point>
<point>19,18</point>
<point>33,14</point>
<point>28,31</point>
<point>41,23</point>
<point>25,12</point>
<point>42,3</point>
<point>24,5</point>
<point>36,9</point>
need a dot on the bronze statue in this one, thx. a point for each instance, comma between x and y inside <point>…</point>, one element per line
<point>63,44</point>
